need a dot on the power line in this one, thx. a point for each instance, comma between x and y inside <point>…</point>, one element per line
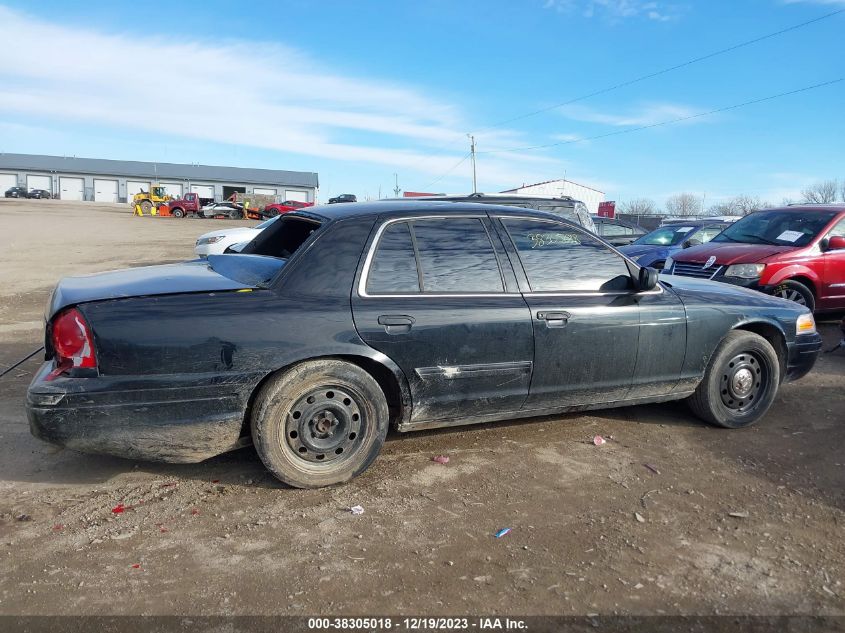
<point>449,171</point>
<point>665,70</point>
<point>662,123</point>
<point>645,77</point>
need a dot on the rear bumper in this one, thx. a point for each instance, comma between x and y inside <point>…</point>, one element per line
<point>156,421</point>
<point>802,355</point>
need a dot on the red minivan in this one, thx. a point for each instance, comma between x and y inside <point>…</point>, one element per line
<point>795,252</point>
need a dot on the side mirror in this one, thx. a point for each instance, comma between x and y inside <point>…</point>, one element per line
<point>690,242</point>
<point>835,243</point>
<point>648,279</point>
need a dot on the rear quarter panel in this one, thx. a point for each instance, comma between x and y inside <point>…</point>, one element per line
<point>235,339</point>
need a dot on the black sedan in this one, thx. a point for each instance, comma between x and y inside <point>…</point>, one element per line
<point>338,322</point>
<point>39,194</point>
<point>15,192</point>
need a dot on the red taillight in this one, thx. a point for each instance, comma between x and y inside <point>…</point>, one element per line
<point>72,342</point>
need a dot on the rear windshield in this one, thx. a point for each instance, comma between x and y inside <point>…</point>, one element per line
<point>283,237</point>
<point>778,228</point>
<point>667,235</point>
<point>250,270</point>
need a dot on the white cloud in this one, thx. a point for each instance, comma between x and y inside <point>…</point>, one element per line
<point>647,114</point>
<point>274,97</point>
<point>615,10</point>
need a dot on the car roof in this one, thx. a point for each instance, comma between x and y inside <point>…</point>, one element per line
<point>410,206</point>
<point>805,208</point>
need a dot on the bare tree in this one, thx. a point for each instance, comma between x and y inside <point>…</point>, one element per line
<point>739,205</point>
<point>683,204</point>
<point>823,192</point>
<point>639,206</point>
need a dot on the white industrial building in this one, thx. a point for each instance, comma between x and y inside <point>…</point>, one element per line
<point>101,180</point>
<point>558,188</point>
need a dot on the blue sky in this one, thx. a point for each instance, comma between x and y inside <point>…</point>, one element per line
<point>358,91</point>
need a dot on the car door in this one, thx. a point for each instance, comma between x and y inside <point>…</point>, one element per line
<point>436,297</point>
<point>832,295</point>
<point>586,316</point>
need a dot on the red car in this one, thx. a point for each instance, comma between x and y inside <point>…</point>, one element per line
<point>796,252</point>
<point>272,210</point>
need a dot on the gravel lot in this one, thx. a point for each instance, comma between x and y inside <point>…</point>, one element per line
<point>740,522</point>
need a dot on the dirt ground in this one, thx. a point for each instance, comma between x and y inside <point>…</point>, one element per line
<point>593,529</point>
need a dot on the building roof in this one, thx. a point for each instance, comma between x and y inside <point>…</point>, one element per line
<point>157,171</point>
<point>546,182</point>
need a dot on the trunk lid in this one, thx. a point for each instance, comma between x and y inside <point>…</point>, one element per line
<point>221,273</point>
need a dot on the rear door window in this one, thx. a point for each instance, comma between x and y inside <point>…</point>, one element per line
<point>394,267</point>
<point>435,256</point>
<point>456,255</point>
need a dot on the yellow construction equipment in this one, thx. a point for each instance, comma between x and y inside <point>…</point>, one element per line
<point>148,202</point>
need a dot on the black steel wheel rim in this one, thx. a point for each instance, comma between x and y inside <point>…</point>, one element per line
<point>326,425</point>
<point>744,378</point>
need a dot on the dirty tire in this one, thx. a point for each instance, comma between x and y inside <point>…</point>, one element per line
<point>795,291</point>
<point>740,382</point>
<point>146,206</point>
<point>319,423</point>
<point>234,214</point>
<point>177,213</point>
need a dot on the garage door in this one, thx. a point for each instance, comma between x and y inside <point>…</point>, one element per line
<point>264,192</point>
<point>135,186</point>
<point>7,181</point>
<point>39,182</point>
<point>204,191</point>
<point>105,190</point>
<point>173,188</point>
<point>71,188</point>
<point>299,196</point>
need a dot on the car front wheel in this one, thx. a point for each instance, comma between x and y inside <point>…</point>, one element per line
<point>319,423</point>
<point>797,292</point>
<point>740,382</point>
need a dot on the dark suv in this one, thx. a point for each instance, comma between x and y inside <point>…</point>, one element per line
<point>565,207</point>
<point>16,192</point>
<point>344,197</point>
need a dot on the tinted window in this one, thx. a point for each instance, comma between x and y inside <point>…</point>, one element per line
<point>560,258</point>
<point>611,229</point>
<point>456,256</point>
<point>394,268</point>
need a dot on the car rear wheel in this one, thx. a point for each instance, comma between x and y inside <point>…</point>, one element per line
<point>319,423</point>
<point>740,382</point>
<point>795,291</point>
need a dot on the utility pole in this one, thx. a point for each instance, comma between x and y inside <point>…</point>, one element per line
<point>396,188</point>
<point>472,152</point>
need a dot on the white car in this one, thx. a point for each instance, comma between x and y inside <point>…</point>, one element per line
<point>216,242</point>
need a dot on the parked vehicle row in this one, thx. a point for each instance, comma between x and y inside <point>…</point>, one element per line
<point>414,315</point>
<point>795,252</point>
<point>21,192</point>
<point>654,248</point>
